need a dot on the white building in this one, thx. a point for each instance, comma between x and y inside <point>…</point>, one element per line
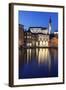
<point>50,26</point>
<point>39,30</point>
<point>42,35</point>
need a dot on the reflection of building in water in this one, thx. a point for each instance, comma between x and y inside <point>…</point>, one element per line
<point>43,57</point>
<point>28,55</point>
<point>40,55</point>
<point>54,54</point>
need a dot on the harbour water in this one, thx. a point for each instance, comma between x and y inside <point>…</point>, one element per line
<point>38,63</point>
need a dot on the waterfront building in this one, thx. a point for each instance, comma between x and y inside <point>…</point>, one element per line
<point>37,36</point>
<point>21,35</point>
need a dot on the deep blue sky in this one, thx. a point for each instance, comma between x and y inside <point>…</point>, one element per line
<point>38,19</point>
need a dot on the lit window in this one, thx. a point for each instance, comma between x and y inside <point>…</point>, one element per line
<point>41,43</point>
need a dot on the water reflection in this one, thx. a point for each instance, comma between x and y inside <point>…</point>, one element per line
<point>38,62</point>
<point>43,55</point>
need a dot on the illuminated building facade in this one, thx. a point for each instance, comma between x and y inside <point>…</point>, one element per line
<point>38,36</point>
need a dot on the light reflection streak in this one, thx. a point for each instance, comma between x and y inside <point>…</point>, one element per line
<point>43,60</point>
<point>41,55</point>
<point>28,55</point>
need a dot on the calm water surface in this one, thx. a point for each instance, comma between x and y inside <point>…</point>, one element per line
<point>38,62</point>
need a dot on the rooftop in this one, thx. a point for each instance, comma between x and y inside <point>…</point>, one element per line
<point>42,28</point>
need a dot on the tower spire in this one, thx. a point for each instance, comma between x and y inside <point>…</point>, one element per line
<point>50,26</point>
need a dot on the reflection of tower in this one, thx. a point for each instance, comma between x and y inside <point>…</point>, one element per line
<point>50,26</point>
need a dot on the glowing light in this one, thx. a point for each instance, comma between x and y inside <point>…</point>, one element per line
<point>29,44</point>
<point>46,43</point>
<point>36,43</point>
<point>41,44</point>
<point>43,55</point>
<point>28,55</point>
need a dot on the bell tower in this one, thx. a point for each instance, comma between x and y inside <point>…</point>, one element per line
<point>50,25</point>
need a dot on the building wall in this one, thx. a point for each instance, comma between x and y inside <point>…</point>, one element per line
<point>37,37</point>
<point>21,36</point>
<point>53,42</point>
<point>43,40</point>
<point>39,40</point>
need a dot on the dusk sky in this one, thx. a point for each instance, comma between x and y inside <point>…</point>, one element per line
<point>38,19</point>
